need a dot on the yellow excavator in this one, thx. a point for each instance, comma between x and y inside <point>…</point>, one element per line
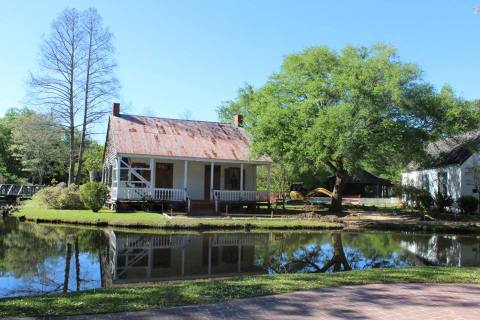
<point>298,192</point>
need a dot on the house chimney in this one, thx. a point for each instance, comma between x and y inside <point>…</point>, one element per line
<point>116,109</point>
<point>238,120</point>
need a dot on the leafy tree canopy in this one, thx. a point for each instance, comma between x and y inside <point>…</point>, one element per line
<point>343,111</point>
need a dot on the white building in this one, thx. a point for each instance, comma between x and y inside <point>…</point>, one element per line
<point>180,161</point>
<point>452,167</point>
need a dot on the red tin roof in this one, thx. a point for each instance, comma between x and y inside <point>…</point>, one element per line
<point>141,135</point>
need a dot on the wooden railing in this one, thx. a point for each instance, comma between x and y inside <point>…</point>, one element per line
<point>239,196</point>
<point>148,194</point>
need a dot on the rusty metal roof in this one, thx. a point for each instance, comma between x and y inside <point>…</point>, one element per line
<point>142,135</point>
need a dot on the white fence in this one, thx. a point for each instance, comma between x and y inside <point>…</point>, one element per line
<point>238,196</point>
<point>148,194</point>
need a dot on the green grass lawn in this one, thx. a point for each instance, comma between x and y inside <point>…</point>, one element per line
<point>33,211</point>
<point>207,291</point>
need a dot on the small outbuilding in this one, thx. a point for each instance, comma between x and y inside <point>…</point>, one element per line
<point>364,184</point>
<point>452,167</point>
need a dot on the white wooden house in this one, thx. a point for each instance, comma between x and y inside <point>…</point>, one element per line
<point>452,167</point>
<point>170,160</point>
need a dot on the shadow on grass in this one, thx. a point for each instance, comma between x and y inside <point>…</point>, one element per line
<point>208,291</point>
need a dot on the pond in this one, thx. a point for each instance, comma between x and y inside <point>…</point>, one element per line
<point>46,259</point>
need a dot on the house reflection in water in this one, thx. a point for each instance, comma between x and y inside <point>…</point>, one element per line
<point>444,250</point>
<point>137,258</point>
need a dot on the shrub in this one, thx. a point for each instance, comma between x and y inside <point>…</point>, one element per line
<point>93,195</point>
<point>418,198</point>
<point>468,204</point>
<point>424,200</point>
<point>60,197</point>
<point>442,201</point>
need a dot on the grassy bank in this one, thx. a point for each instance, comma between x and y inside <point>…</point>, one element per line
<point>33,211</point>
<point>207,291</point>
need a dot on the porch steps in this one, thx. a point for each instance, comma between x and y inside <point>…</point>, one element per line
<point>201,207</point>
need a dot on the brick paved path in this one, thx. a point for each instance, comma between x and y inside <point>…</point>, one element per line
<point>377,301</point>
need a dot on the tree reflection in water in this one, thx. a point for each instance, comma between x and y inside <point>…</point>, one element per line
<point>317,255</point>
<point>42,259</point>
<point>37,259</point>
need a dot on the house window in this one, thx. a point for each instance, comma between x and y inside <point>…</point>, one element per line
<point>425,182</point>
<point>162,258</point>
<point>232,178</point>
<point>164,175</point>
<point>443,183</point>
<point>230,254</point>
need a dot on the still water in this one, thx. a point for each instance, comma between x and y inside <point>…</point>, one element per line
<point>43,259</point>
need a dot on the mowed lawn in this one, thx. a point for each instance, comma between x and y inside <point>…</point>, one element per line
<point>33,211</point>
<point>207,291</point>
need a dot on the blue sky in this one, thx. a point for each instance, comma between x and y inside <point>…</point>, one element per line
<point>179,55</point>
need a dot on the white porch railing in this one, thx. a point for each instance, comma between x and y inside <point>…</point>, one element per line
<point>132,242</point>
<point>148,194</point>
<point>237,195</point>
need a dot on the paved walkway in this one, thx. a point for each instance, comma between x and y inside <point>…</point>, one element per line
<point>377,301</point>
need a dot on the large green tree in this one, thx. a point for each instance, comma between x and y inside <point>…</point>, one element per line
<point>344,111</point>
<point>40,147</point>
<point>10,166</point>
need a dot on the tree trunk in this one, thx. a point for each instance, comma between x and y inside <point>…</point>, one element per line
<point>68,258</point>
<point>78,179</point>
<point>77,263</point>
<point>336,203</point>
<point>85,115</point>
<point>339,259</point>
<point>71,159</point>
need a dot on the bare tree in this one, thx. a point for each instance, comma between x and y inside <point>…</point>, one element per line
<point>56,84</point>
<point>98,81</point>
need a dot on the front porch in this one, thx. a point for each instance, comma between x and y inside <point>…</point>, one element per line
<point>173,180</point>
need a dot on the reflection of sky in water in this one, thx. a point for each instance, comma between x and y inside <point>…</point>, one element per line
<point>49,277</point>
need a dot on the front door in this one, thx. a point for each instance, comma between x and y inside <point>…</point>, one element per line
<point>216,180</point>
<point>164,175</point>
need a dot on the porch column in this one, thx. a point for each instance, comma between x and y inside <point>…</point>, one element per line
<point>241,177</point>
<point>268,180</point>
<point>209,256</point>
<point>183,260</point>
<point>239,264</point>
<point>117,176</point>
<point>152,178</point>
<point>212,170</point>
<point>185,175</point>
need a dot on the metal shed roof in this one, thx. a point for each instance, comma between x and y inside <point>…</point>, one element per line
<point>141,135</point>
<point>450,151</point>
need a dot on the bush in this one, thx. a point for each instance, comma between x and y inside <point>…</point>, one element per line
<point>468,204</point>
<point>424,200</point>
<point>93,195</point>
<point>60,197</point>
<point>442,201</point>
<point>418,198</point>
